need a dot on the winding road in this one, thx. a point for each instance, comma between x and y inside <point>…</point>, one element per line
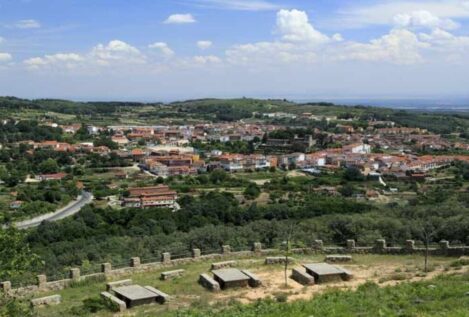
<point>69,210</point>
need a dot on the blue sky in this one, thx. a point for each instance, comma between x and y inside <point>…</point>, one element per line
<point>176,49</point>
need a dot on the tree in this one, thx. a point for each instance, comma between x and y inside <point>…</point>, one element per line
<point>290,227</point>
<point>48,166</point>
<point>353,174</point>
<point>427,231</point>
<point>252,191</point>
<point>13,307</point>
<point>16,257</point>
<point>218,176</point>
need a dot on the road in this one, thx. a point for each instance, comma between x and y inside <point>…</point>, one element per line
<point>69,210</point>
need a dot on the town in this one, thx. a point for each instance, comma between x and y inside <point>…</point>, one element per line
<point>380,150</point>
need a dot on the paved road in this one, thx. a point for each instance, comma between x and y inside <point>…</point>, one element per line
<point>71,209</point>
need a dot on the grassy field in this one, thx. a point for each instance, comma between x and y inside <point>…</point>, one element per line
<point>190,299</point>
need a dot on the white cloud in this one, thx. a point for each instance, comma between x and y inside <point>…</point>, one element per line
<point>299,42</point>
<point>27,24</point>
<point>383,12</point>
<point>180,19</point>
<point>163,48</point>
<point>117,51</point>
<point>5,57</point>
<point>424,19</point>
<point>203,45</point>
<point>294,26</point>
<point>244,5</point>
<point>67,60</point>
<point>400,46</point>
<point>208,59</point>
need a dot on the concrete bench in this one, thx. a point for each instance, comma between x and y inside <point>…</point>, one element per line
<point>111,285</point>
<point>302,277</point>
<point>254,281</point>
<point>277,260</point>
<point>114,301</point>
<point>221,265</point>
<point>338,258</point>
<point>209,283</point>
<point>171,274</point>
<point>48,300</point>
<point>162,297</point>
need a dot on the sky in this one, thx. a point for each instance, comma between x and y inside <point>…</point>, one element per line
<point>153,50</point>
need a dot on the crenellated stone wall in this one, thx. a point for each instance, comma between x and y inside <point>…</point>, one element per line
<point>135,266</point>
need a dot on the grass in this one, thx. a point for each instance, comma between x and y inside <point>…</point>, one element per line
<point>442,296</point>
<point>191,297</point>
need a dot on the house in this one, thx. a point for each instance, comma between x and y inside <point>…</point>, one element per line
<point>137,154</point>
<point>16,204</point>
<point>155,196</point>
<point>358,148</point>
<point>71,129</point>
<point>232,162</point>
<point>51,177</point>
<point>120,139</point>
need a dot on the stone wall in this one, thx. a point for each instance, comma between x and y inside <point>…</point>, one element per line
<point>136,266</point>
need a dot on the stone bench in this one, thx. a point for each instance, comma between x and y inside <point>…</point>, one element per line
<point>111,285</point>
<point>346,274</point>
<point>171,274</point>
<point>337,258</point>
<point>48,300</point>
<point>162,297</point>
<point>206,281</point>
<point>302,277</point>
<point>221,265</point>
<point>254,281</point>
<point>277,260</point>
<point>114,301</point>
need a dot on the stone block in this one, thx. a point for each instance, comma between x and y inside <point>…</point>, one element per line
<point>224,264</point>
<point>257,247</point>
<point>114,301</point>
<point>166,258</point>
<point>254,281</point>
<point>106,268</point>
<point>162,297</point>
<point>75,274</point>
<point>380,245</point>
<point>196,253</point>
<point>135,262</point>
<point>351,244</point>
<point>226,249</point>
<point>41,280</point>
<point>5,286</point>
<point>206,281</point>
<point>171,274</point>
<point>409,245</point>
<point>272,260</point>
<point>318,245</point>
<point>444,244</point>
<point>111,285</point>
<point>48,300</point>
<point>346,274</point>
<point>338,258</point>
<point>302,277</point>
